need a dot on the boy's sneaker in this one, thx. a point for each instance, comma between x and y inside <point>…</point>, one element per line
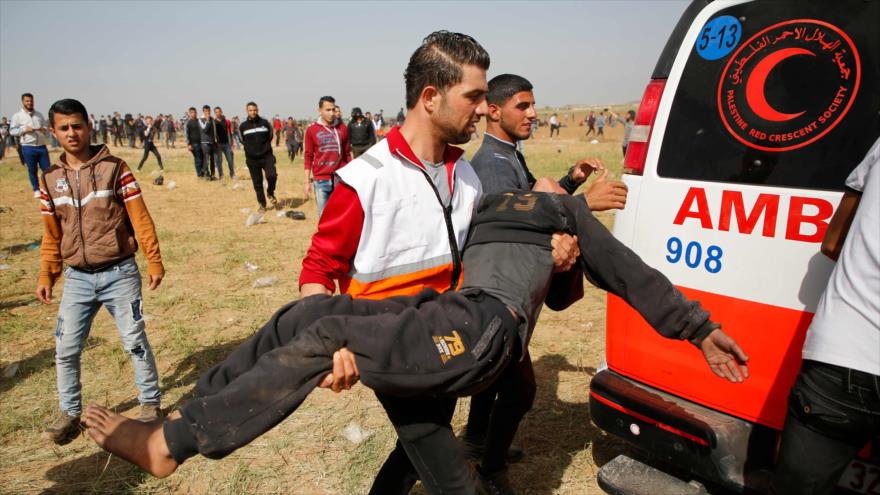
<point>474,448</point>
<point>37,194</point>
<point>63,430</point>
<point>495,483</point>
<point>274,202</point>
<point>149,413</point>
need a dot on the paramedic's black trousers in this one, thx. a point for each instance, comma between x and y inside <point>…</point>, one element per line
<point>428,344</point>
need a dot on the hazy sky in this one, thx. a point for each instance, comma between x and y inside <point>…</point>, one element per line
<point>159,56</point>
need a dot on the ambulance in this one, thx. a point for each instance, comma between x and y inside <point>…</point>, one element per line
<point>755,114</point>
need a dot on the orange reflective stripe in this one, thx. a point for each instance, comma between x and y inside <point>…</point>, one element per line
<point>436,278</point>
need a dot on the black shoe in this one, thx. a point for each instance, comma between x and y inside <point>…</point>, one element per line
<point>475,448</point>
<point>495,483</point>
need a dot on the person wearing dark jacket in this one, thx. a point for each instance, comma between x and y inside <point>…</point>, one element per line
<point>149,145</point>
<point>458,341</point>
<point>220,127</point>
<point>256,136</point>
<point>208,141</point>
<point>194,141</point>
<point>361,134</point>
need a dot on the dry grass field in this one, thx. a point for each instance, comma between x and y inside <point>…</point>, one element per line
<point>206,306</point>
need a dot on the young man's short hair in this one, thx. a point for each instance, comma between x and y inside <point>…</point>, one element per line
<point>504,86</point>
<point>438,63</point>
<point>218,108</point>
<point>26,95</point>
<point>206,107</point>
<point>326,98</point>
<point>250,104</point>
<point>192,108</point>
<point>67,106</point>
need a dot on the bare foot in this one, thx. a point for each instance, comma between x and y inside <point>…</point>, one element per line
<point>142,444</point>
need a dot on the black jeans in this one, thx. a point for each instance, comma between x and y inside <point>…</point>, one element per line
<point>832,413</point>
<point>257,166</point>
<point>427,345</point>
<point>198,159</point>
<point>494,422</point>
<point>209,157</point>
<point>148,148</point>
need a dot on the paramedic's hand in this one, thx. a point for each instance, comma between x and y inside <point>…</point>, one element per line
<point>345,373</point>
<point>724,356</point>
<point>155,280</point>
<point>606,194</point>
<point>583,168</point>
<point>565,251</point>
<point>44,293</point>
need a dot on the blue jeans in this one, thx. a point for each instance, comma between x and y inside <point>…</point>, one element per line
<point>35,156</point>
<point>323,188</point>
<point>225,149</point>
<point>118,288</point>
<point>199,159</point>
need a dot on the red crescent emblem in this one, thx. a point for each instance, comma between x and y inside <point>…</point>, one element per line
<point>755,95</point>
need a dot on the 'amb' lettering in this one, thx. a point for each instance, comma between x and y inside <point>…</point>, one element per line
<point>807,217</point>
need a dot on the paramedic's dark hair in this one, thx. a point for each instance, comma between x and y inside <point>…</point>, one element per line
<point>67,106</point>
<point>326,98</point>
<point>438,63</point>
<point>502,87</point>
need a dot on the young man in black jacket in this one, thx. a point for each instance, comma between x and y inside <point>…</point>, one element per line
<point>194,141</point>
<point>208,142</point>
<point>456,343</point>
<point>256,136</point>
<point>361,134</point>
<point>221,128</point>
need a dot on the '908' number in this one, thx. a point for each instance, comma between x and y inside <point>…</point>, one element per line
<point>692,254</point>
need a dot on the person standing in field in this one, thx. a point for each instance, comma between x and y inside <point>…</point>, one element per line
<point>236,131</point>
<point>168,131</point>
<point>290,138</point>
<point>193,135</point>
<point>98,273</point>
<point>554,125</point>
<point>401,117</point>
<point>29,126</point>
<point>360,133</point>
<point>276,126</point>
<point>600,124</point>
<point>256,136</point>
<point>590,122</point>
<point>150,133</point>
<point>208,142</point>
<point>327,149</point>
<point>220,127</point>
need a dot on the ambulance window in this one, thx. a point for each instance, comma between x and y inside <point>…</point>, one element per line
<point>792,102</point>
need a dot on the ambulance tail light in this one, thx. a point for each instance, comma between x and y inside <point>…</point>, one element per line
<point>640,137</point>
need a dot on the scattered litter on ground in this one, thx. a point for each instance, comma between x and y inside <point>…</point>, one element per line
<point>595,141</point>
<point>295,215</point>
<point>281,214</point>
<point>10,371</point>
<point>588,325</point>
<point>5,209</point>
<point>33,246</point>
<point>263,282</point>
<point>244,210</point>
<point>355,434</point>
<point>250,266</point>
<point>171,184</point>
<point>159,180</point>
<point>236,186</point>
<point>254,218</point>
<point>5,267</point>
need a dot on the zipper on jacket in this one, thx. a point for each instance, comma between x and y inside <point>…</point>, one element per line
<point>82,238</point>
<point>450,229</point>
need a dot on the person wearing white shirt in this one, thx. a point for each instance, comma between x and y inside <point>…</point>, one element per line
<point>834,406</point>
<point>30,127</point>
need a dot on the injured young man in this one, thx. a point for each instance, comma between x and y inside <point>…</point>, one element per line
<point>451,344</point>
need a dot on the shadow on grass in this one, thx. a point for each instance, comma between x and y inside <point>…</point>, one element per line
<point>36,363</point>
<point>17,303</point>
<point>291,202</point>
<point>20,248</point>
<point>189,370</point>
<point>89,475</point>
<point>556,431</point>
